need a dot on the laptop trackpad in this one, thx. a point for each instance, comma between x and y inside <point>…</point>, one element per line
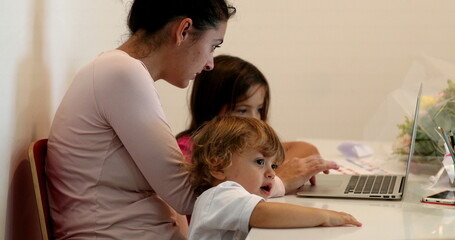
<point>326,184</point>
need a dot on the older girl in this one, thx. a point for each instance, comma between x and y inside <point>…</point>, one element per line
<point>236,87</point>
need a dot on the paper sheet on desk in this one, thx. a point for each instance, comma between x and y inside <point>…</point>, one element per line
<point>355,149</point>
<point>354,152</point>
<point>358,166</point>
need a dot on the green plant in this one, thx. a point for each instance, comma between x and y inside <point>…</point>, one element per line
<point>435,111</point>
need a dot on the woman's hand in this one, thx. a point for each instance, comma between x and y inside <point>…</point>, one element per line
<point>297,171</point>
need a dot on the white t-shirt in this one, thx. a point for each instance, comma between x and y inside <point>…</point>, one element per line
<point>223,212</point>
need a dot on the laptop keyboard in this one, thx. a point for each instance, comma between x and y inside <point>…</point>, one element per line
<point>365,184</point>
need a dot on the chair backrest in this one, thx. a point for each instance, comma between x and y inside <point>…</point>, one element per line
<point>37,157</point>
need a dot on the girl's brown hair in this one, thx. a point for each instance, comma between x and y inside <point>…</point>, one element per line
<point>219,139</point>
<point>227,84</point>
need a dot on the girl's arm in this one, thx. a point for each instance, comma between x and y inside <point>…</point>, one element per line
<point>299,149</point>
<point>302,162</point>
<point>283,215</point>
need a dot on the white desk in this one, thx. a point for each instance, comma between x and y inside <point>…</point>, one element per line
<point>382,219</point>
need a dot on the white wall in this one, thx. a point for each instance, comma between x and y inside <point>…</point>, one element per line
<point>43,43</point>
<point>330,65</point>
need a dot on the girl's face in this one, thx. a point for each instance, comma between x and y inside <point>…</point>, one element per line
<point>252,106</point>
<point>195,56</point>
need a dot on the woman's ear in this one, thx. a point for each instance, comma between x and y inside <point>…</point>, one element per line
<point>182,31</point>
<point>219,175</point>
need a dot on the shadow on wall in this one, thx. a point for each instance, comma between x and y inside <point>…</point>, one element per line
<point>32,121</point>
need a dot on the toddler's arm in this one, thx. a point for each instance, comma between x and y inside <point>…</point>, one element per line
<point>283,215</point>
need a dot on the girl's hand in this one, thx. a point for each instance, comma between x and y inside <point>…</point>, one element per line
<point>297,171</point>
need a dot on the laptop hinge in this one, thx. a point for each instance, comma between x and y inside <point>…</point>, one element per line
<point>403,180</point>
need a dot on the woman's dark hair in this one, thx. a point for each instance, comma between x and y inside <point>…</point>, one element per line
<point>152,16</point>
<point>227,84</point>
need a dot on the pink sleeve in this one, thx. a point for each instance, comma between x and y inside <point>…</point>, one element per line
<point>186,146</point>
<point>128,100</point>
<point>278,190</point>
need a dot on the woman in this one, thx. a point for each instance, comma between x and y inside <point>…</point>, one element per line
<point>236,87</point>
<point>113,163</point>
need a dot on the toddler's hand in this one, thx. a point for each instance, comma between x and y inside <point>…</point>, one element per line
<point>340,218</point>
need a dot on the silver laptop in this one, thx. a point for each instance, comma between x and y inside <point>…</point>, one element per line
<point>364,186</point>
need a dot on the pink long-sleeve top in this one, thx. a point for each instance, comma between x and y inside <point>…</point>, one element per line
<point>113,164</point>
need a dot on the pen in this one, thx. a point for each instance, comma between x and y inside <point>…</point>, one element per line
<point>446,140</point>
<point>452,139</point>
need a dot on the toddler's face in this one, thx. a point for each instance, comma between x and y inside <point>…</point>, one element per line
<point>253,171</point>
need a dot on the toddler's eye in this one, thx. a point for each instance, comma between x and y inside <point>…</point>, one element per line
<point>260,162</point>
<point>274,166</point>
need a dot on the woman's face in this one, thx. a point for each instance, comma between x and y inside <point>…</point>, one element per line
<point>252,106</point>
<point>195,56</point>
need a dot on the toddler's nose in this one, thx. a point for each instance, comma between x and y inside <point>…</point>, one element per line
<point>270,174</point>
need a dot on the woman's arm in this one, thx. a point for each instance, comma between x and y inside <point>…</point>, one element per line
<point>283,215</point>
<point>128,100</point>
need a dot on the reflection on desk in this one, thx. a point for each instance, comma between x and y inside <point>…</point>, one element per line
<point>381,219</point>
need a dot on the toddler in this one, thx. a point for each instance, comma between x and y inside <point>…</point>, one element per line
<point>233,169</point>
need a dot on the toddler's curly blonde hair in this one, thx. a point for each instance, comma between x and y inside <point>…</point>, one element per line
<point>217,140</point>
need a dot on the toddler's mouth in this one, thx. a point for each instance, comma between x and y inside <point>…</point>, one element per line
<point>266,189</point>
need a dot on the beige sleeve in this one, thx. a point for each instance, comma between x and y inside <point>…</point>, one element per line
<point>128,100</point>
